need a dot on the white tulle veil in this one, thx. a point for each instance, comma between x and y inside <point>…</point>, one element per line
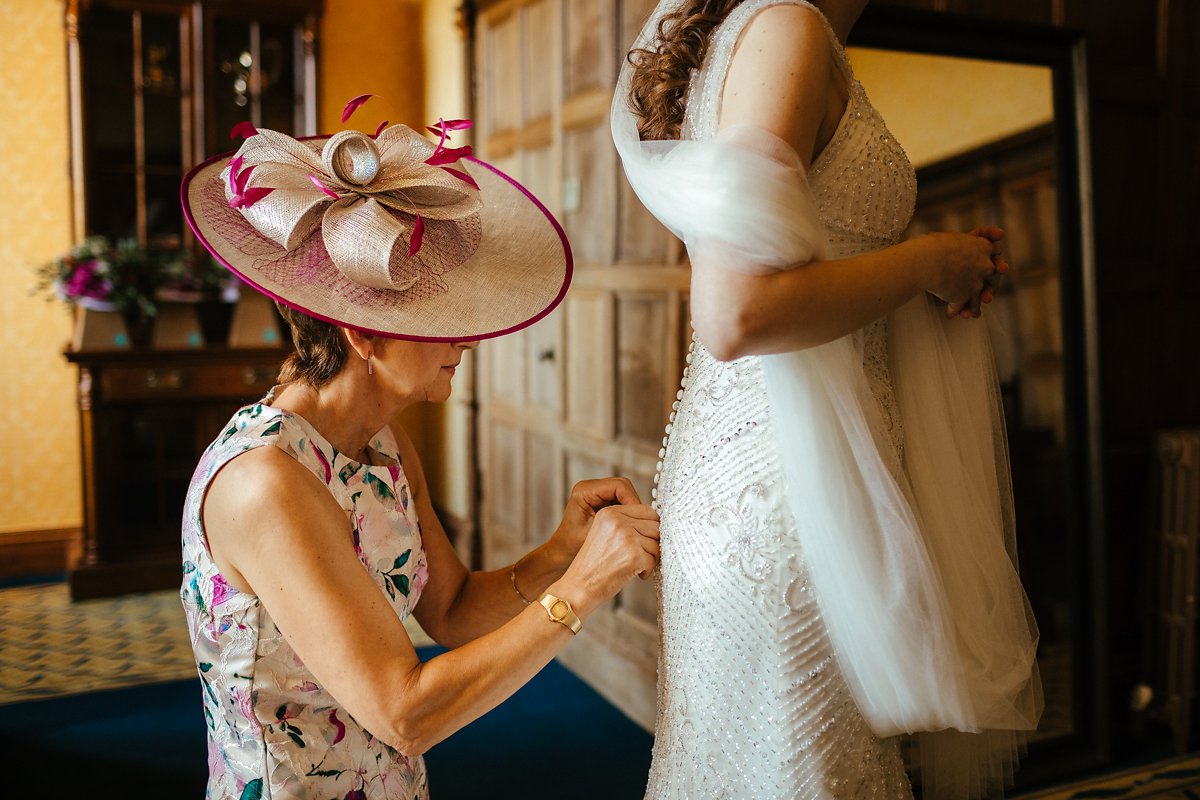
<point>914,569</point>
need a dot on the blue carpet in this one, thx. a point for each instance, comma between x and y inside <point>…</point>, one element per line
<point>556,738</point>
<point>32,580</point>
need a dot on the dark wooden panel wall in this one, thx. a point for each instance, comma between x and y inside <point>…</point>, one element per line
<point>1144,105</point>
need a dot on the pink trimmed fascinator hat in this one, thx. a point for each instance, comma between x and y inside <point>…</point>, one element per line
<point>393,234</point>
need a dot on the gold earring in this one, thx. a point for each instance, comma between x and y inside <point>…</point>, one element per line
<point>370,367</point>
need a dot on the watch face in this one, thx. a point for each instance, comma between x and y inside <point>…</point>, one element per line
<point>560,609</point>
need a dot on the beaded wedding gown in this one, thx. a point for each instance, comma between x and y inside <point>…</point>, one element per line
<point>752,701</point>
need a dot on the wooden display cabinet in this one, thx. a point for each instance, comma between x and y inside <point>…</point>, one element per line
<point>154,87</point>
<point>145,418</point>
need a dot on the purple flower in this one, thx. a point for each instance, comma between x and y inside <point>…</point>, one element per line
<point>216,760</point>
<point>222,591</point>
<point>245,703</point>
<point>420,577</point>
<point>85,280</point>
<point>339,725</point>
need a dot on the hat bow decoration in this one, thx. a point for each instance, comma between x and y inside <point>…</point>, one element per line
<point>395,233</point>
<point>370,196</point>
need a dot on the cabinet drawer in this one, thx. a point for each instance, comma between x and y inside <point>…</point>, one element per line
<point>188,382</point>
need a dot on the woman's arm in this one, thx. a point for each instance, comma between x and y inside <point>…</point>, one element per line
<point>781,80</point>
<point>292,547</point>
<point>458,606</point>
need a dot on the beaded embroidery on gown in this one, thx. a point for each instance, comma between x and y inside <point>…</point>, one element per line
<point>752,703</point>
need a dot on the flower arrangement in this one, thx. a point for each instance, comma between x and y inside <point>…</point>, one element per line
<point>202,279</point>
<point>97,275</point>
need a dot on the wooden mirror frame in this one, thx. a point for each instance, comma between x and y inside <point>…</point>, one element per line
<point>1064,53</point>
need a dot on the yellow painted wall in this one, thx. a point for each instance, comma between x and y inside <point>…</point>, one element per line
<point>445,59</point>
<point>371,47</point>
<point>39,442</point>
<point>939,107</point>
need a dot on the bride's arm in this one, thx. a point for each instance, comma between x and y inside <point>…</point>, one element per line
<point>736,314</point>
<point>780,81</point>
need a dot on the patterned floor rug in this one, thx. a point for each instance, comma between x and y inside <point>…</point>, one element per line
<point>1177,779</point>
<point>51,647</point>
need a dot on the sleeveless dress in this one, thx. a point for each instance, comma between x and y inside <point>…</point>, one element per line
<point>273,730</point>
<point>752,703</point>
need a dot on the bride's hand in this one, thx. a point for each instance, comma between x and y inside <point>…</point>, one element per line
<point>961,263</point>
<point>587,498</point>
<point>990,284</point>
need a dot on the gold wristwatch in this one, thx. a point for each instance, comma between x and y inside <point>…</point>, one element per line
<point>560,611</point>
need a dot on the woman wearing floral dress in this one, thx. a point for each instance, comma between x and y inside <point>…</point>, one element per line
<point>308,532</point>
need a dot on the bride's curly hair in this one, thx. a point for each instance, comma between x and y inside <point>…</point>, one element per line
<point>662,71</point>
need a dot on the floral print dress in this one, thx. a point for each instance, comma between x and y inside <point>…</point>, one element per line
<point>273,730</point>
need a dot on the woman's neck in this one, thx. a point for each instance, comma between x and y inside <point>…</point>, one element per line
<point>348,411</point>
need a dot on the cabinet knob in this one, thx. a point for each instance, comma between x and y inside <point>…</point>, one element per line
<point>546,355</point>
<point>255,375</point>
<point>164,379</point>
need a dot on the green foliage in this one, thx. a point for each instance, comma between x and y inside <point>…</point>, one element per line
<point>127,277</point>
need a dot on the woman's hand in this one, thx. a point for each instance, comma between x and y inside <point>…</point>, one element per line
<point>622,543</point>
<point>588,497</point>
<point>966,267</point>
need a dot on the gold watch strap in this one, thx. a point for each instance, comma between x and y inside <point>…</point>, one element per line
<point>560,611</point>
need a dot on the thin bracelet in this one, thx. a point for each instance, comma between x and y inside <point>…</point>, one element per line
<point>512,576</point>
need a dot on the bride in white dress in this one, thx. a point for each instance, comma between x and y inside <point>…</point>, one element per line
<point>838,565</point>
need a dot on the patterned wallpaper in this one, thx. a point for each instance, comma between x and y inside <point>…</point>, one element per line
<point>39,445</point>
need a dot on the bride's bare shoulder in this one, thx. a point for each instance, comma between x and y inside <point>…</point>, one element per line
<point>780,75</point>
<point>788,33</point>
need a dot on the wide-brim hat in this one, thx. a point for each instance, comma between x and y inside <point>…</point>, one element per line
<point>392,234</point>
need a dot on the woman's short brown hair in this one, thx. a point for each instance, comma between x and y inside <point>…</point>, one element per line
<point>320,351</point>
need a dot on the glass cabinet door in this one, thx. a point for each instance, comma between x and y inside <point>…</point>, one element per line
<point>161,80</point>
<point>110,123</point>
<point>145,119</point>
<point>253,77</point>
